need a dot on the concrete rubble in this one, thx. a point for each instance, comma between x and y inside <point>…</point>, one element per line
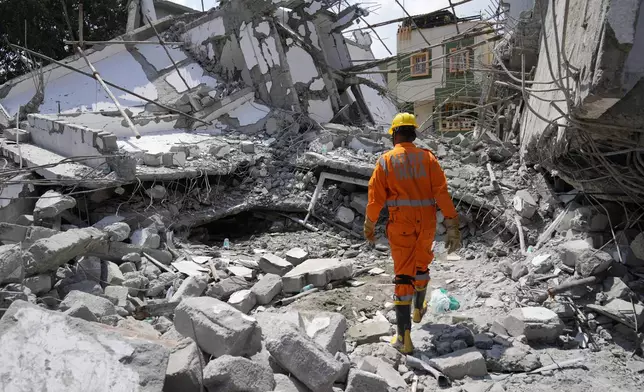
<point>196,258</point>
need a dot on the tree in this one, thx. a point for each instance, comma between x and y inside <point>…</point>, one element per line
<point>40,25</point>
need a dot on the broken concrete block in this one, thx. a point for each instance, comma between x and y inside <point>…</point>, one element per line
<point>637,246</point>
<point>117,294</point>
<point>271,264</point>
<point>359,381</point>
<point>483,342</point>
<point>462,363</point>
<point>158,286</point>
<point>536,323</point>
<point>51,204</point>
<point>226,287</point>
<point>511,359</point>
<point>184,368</point>
<point>318,272</point>
<point>243,300</point>
<point>571,251</point>
<point>127,267</point>
<point>97,305</point>
<point>346,365</point>
<point>267,288</point>
<point>12,260</point>
<point>82,355</point>
<point>85,286</point>
<point>369,332</point>
<point>362,143</point>
<point>141,327</point>
<point>614,288</point>
<point>593,263</point>
<point>359,202</point>
<point>284,383</point>
<point>220,329</point>
<point>153,159</point>
<point>383,369</point>
<point>145,238</point>
<point>114,275</point>
<point>136,282</point>
<point>118,231</point>
<point>326,329</point>
<point>247,147</point>
<point>50,253</point>
<point>17,135</point>
<point>82,312</point>
<point>345,215</point>
<point>524,204</point>
<point>192,286</point>
<point>297,256</point>
<point>237,374</point>
<point>306,360</point>
<point>39,284</point>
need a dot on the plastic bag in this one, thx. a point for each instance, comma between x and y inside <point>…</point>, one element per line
<point>442,302</point>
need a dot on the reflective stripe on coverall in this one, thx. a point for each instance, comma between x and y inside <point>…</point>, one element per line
<point>411,183</point>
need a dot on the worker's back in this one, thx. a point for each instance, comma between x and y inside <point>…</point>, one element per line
<point>409,177</point>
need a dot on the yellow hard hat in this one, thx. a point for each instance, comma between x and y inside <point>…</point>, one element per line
<point>403,119</point>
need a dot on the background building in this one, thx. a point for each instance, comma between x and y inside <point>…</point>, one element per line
<point>431,84</point>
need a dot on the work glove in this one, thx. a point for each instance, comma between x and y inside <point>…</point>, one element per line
<point>369,230</point>
<point>453,235</point>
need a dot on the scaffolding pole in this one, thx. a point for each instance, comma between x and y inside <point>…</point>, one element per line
<point>98,77</point>
<point>167,51</point>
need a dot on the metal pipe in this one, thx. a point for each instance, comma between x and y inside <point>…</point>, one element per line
<point>419,364</point>
<point>564,287</point>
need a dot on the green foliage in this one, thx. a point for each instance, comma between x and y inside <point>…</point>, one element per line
<point>46,28</point>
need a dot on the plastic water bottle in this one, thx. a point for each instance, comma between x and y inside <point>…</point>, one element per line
<point>307,288</point>
<point>324,149</point>
<point>226,243</point>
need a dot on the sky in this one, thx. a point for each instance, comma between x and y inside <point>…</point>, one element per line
<point>383,10</point>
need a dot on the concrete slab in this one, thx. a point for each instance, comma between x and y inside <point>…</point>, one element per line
<point>318,272</point>
<point>457,365</point>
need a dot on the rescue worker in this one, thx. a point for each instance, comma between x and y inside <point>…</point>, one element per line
<point>411,183</point>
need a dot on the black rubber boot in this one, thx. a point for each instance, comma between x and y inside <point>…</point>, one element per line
<point>420,306</point>
<point>402,340</point>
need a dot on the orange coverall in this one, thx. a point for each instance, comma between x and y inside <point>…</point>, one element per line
<point>410,181</point>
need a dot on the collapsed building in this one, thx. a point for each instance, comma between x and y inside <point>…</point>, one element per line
<point>251,66</point>
<point>165,262</point>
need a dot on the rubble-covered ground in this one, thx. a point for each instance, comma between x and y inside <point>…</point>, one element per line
<point>217,282</point>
